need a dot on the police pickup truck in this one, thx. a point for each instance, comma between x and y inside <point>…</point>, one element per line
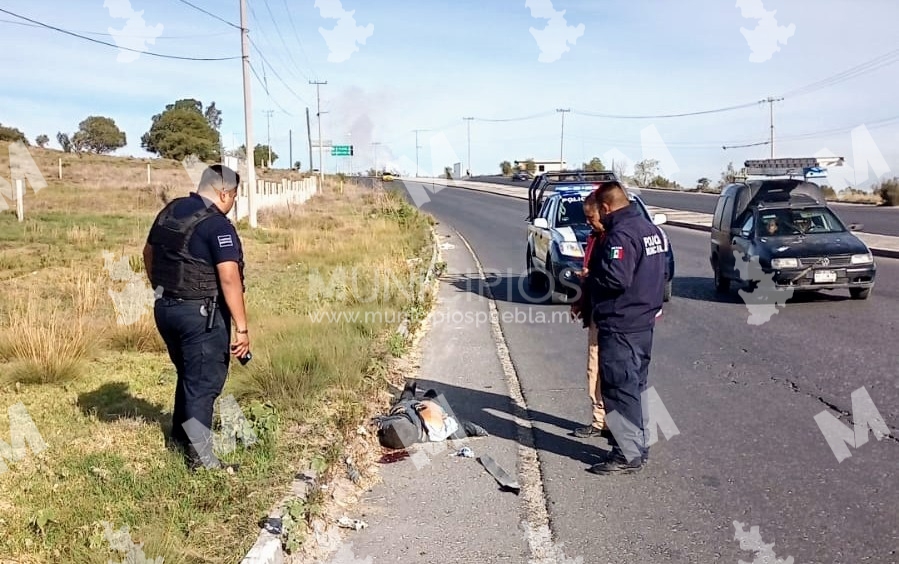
<point>558,230</point>
<point>782,229</point>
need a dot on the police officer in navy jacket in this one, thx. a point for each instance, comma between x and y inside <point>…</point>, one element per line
<point>626,281</point>
<point>193,254</point>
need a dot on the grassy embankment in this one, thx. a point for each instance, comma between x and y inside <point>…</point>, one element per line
<point>100,392</point>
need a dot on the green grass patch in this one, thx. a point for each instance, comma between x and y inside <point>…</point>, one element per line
<point>101,393</point>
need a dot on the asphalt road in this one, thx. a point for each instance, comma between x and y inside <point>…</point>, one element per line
<point>743,398</point>
<point>874,219</point>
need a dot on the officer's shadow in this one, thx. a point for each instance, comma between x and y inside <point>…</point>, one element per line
<point>113,401</point>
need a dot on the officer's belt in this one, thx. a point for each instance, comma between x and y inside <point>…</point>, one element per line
<point>175,296</point>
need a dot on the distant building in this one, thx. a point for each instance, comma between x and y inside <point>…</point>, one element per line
<point>542,166</point>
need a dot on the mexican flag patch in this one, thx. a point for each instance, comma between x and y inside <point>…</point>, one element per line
<point>616,253</point>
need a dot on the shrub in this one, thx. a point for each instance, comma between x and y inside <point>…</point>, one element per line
<point>889,191</point>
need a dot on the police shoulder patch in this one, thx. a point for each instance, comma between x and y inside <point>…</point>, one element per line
<point>225,241</point>
<point>616,253</point>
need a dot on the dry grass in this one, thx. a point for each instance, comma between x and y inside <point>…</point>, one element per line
<point>100,391</point>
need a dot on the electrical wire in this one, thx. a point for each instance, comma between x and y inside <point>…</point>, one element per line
<point>152,54</point>
<point>280,36</point>
<point>102,34</point>
<point>858,70</point>
<point>296,34</point>
<point>277,76</point>
<point>664,116</point>
<point>265,89</point>
<point>535,116</point>
<point>210,14</point>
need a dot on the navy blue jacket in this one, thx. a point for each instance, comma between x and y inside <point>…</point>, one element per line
<point>626,277</point>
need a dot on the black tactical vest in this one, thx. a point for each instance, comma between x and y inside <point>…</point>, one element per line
<point>181,274</point>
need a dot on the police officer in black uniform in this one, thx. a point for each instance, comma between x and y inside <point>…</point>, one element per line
<point>626,281</point>
<point>194,256</point>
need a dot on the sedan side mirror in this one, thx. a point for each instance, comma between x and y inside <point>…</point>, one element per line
<point>541,223</point>
<point>660,219</point>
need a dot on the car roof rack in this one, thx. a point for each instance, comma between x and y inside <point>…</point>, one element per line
<point>548,180</point>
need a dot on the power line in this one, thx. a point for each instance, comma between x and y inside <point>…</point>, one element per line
<point>264,85</point>
<point>296,34</point>
<point>525,118</point>
<point>280,36</point>
<point>275,49</point>
<point>281,80</point>
<point>858,70</point>
<point>103,34</point>
<point>663,116</point>
<point>210,14</point>
<point>152,54</point>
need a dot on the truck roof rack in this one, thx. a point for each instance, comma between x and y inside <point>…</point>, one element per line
<point>789,167</point>
<point>549,180</point>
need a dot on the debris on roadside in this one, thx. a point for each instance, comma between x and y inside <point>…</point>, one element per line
<point>347,523</point>
<point>499,474</point>
<point>464,452</point>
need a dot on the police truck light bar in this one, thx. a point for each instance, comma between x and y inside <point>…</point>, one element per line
<point>789,167</point>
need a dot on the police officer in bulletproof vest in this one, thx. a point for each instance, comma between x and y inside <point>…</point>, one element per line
<point>194,256</point>
<point>626,281</point>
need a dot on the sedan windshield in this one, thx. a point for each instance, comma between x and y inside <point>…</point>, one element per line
<point>790,222</point>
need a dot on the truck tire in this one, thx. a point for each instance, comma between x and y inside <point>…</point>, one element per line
<point>722,284</point>
<point>535,278</point>
<point>667,296</point>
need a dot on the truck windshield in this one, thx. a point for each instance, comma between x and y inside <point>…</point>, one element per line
<point>571,211</point>
<point>804,221</point>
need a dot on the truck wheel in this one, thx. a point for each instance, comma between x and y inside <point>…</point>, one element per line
<point>859,293</point>
<point>535,278</point>
<point>550,277</point>
<point>667,296</point>
<point>722,284</point>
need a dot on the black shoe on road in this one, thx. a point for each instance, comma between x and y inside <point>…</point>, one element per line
<point>587,432</point>
<point>616,465</point>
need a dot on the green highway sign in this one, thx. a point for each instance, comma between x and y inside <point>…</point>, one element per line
<point>342,151</point>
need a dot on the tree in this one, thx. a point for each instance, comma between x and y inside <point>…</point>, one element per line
<point>595,165</point>
<point>99,135</point>
<point>728,176</point>
<point>530,165</point>
<point>506,167</point>
<point>12,134</point>
<point>260,154</point>
<point>64,141</point>
<point>645,171</point>
<point>183,129</point>
<point>703,184</point>
<point>42,140</point>
<point>297,165</point>
<point>213,117</point>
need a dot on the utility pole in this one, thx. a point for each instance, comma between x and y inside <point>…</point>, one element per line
<point>290,137</point>
<point>309,136</point>
<point>248,113</point>
<point>268,129</point>
<point>375,148</point>
<point>770,100</point>
<point>417,147</point>
<point>562,145</point>
<point>468,168</point>
<point>321,170</point>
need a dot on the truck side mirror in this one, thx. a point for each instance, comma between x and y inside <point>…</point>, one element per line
<point>541,223</point>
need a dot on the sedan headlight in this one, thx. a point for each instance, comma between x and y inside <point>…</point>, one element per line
<point>784,263</point>
<point>570,249</point>
<point>866,258</point>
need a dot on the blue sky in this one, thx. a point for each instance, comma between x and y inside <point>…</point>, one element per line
<point>428,64</point>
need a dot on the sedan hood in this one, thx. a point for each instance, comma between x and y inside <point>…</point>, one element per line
<point>814,245</point>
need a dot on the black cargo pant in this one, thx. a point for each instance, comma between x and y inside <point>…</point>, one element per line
<point>201,359</point>
<point>624,364</point>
